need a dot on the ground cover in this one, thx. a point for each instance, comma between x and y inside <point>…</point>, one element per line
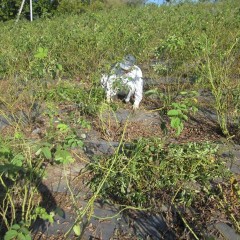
<point>63,149</point>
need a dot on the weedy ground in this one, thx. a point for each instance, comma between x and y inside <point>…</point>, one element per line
<point>50,90</point>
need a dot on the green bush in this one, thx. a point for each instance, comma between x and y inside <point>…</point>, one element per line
<point>41,8</point>
<point>71,7</point>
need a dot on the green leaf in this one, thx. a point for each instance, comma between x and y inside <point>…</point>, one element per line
<point>152,148</point>
<point>59,66</point>
<point>183,106</point>
<point>47,153</point>
<point>4,150</point>
<point>18,135</point>
<point>18,160</point>
<point>175,105</point>
<point>24,230</point>
<point>80,143</point>
<point>70,141</point>
<point>63,156</point>
<point>28,237</point>
<point>77,230</point>
<point>40,49</point>
<point>10,234</point>
<point>10,168</point>
<point>38,151</point>
<point>185,117</point>
<point>15,227</point>
<point>59,211</point>
<point>63,127</point>
<point>41,53</point>
<point>173,112</point>
<point>175,122</point>
<point>51,217</point>
<point>20,236</point>
<point>151,92</point>
<point>123,189</point>
<point>179,129</point>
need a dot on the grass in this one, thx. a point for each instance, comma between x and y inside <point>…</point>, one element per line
<point>53,63</point>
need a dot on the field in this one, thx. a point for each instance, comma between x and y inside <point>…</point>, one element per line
<point>65,151</point>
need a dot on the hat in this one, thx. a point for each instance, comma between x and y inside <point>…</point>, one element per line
<point>127,62</point>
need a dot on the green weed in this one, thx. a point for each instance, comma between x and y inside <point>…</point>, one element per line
<point>216,73</point>
<point>17,232</point>
<point>150,166</point>
<point>177,111</point>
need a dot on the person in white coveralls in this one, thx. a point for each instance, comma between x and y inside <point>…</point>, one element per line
<point>124,75</point>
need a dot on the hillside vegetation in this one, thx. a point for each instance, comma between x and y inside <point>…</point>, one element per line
<point>193,40</point>
<point>51,63</point>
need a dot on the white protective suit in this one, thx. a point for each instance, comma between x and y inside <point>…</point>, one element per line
<point>132,79</point>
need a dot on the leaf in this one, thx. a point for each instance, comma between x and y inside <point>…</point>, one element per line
<point>179,128</point>
<point>20,236</point>
<point>18,160</point>
<point>173,112</point>
<point>80,143</point>
<point>151,92</point>
<point>77,230</point>
<point>41,53</point>
<point>10,234</point>
<point>175,122</point>
<point>4,150</point>
<point>24,230</point>
<point>10,168</point>
<point>59,66</point>
<point>63,156</point>
<point>183,106</point>
<point>18,135</point>
<point>60,212</point>
<point>40,49</point>
<point>152,148</point>
<point>47,153</point>
<point>175,105</point>
<point>185,117</point>
<point>15,227</point>
<point>63,127</point>
<point>51,217</point>
<point>123,189</point>
<point>28,237</point>
<point>38,151</point>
